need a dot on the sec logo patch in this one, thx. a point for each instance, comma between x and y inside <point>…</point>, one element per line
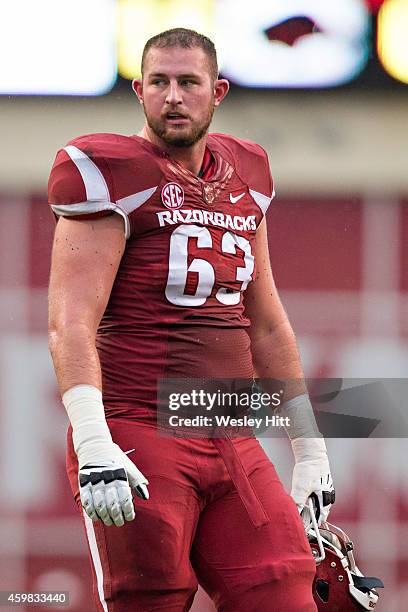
<point>172,195</point>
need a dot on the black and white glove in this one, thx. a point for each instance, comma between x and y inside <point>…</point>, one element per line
<point>105,487</point>
<point>106,475</point>
<point>312,479</point>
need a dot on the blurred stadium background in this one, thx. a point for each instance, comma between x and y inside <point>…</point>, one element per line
<point>323,86</point>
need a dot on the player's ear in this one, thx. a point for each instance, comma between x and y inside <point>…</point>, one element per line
<point>221,88</point>
<point>138,89</point>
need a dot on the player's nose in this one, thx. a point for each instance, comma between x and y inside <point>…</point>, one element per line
<point>173,95</point>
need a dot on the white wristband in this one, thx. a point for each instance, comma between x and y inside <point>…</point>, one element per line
<point>306,439</point>
<point>302,420</point>
<point>86,413</point>
<point>309,449</point>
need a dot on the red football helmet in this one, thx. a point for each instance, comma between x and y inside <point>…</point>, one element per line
<point>339,586</point>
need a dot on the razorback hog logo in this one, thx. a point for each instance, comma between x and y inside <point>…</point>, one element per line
<point>172,196</point>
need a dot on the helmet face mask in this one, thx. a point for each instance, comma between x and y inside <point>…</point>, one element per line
<point>339,586</point>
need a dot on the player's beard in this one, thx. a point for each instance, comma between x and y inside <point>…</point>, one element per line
<point>187,137</point>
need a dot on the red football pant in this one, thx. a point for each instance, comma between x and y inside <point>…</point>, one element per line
<point>217,515</point>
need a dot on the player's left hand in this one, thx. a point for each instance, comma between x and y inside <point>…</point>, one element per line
<point>312,479</point>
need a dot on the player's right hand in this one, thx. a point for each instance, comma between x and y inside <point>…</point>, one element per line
<point>106,474</point>
<point>105,487</point>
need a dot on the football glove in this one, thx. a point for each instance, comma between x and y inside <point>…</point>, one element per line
<point>106,475</point>
<point>312,479</point>
<point>105,487</point>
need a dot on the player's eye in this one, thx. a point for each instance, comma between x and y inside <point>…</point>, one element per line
<point>157,81</point>
<point>187,82</point>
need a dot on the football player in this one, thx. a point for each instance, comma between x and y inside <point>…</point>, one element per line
<point>160,270</point>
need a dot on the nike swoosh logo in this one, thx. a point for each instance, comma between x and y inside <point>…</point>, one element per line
<point>234,200</point>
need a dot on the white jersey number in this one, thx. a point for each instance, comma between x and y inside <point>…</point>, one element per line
<point>179,268</point>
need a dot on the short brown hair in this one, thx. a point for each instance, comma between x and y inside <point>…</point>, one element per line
<point>187,39</point>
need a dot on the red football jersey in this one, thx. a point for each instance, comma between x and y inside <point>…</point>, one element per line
<point>176,307</point>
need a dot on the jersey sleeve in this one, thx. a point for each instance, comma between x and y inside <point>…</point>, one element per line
<point>261,183</point>
<point>78,186</point>
<point>252,164</point>
<point>268,191</point>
